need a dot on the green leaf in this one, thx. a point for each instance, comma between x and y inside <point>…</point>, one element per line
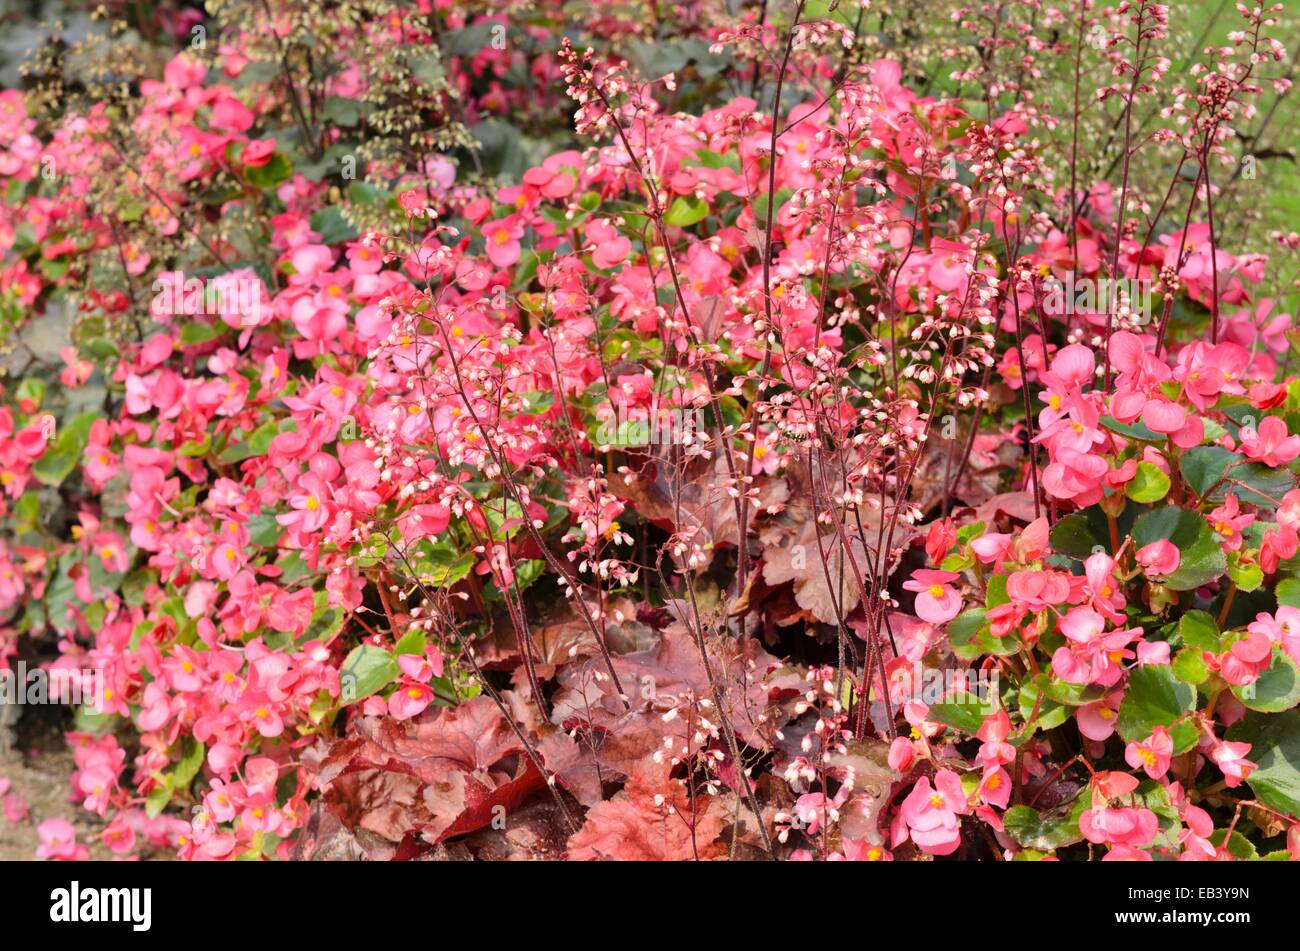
<point>189,765</point>
<point>686,210</point>
<point>1133,430</point>
<point>366,671</point>
<point>1149,485</point>
<point>1199,629</point>
<point>965,711</point>
<point>1275,748</point>
<point>1246,576</point>
<point>256,443</point>
<point>1202,560</point>
<point>1155,697</point>
<point>263,529</point>
<point>1288,592</point>
<point>414,642</point>
<point>1048,830</point>
<point>1072,695</point>
<point>342,111</point>
<point>276,170</point>
<point>197,332</point>
<point>157,800</point>
<point>1081,533</point>
<point>1277,688</point>
<point>443,567</point>
<point>1051,713</point>
<point>62,457</point>
<point>1239,846</point>
<point>1205,466</point>
<point>373,552</point>
<point>332,226</point>
<point>1189,666</point>
<point>970,637</point>
<point>426,67</point>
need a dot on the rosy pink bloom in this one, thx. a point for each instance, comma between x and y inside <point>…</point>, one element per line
<point>995,750</point>
<point>1160,559</point>
<point>310,504</point>
<point>409,700</point>
<point>940,539</point>
<point>1161,416</point>
<point>15,809</point>
<point>860,850</point>
<point>1131,826</point>
<point>995,787</point>
<point>1038,590</point>
<point>936,602</point>
<point>502,237</point>
<point>1270,443</point>
<point>902,753</point>
<point>58,841</point>
<point>1231,760</point>
<point>1097,720</point>
<point>1152,754</point>
<point>1282,627</point>
<point>609,248</point>
<point>1152,653</point>
<point>1277,546</point>
<point>1091,656</point>
<point>119,836</point>
<point>1246,659</point>
<point>931,813</point>
<point>257,153</point>
<point>1228,522</point>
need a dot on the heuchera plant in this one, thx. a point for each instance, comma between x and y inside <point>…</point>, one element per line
<point>460,439</point>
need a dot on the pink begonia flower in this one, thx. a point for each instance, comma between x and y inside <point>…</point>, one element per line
<point>902,753</point>
<point>609,248</point>
<point>1228,522</point>
<point>1270,443</point>
<point>860,850</point>
<point>812,808</point>
<point>1245,660</point>
<point>119,836</point>
<point>1091,656</point>
<point>1152,653</point>
<point>936,602</point>
<point>995,787</point>
<point>58,841</point>
<point>1160,559</point>
<point>15,809</point>
<point>1131,826</point>
<point>257,153</point>
<point>502,241</point>
<point>1038,590</point>
<point>409,700</point>
<point>931,813</point>
<point>995,750</point>
<point>1152,754</point>
<point>1231,760</point>
<point>1282,627</point>
<point>1097,720</point>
